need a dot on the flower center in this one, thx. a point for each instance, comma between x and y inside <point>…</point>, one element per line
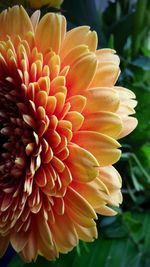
<point>13,134</point>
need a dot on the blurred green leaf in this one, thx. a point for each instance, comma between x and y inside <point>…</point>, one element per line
<point>143,62</point>
<point>146,150</point>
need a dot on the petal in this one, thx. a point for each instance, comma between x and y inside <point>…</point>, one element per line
<point>103,122</point>
<point>81,74</point>
<point>104,210</point>
<point>58,205</point>
<point>50,32</point>
<point>101,99</point>
<point>91,193</point>
<point>46,245</point>
<point>64,233</point>
<point>103,148</point>
<point>4,242</point>
<point>107,55</point>
<point>115,198</point>
<point>86,234</point>
<point>124,93</point>
<point>74,55</point>
<point>30,251</point>
<point>40,177</point>
<point>127,101</point>
<point>35,19</point>
<point>78,36</point>
<point>129,124</point>
<point>6,203</point>
<point>77,102</point>
<point>76,119</point>
<point>10,27</point>
<point>82,164</point>
<point>51,105</point>
<point>126,108</point>
<point>108,68</point>
<point>79,218</point>
<point>79,204</point>
<point>110,177</point>
<point>19,240</point>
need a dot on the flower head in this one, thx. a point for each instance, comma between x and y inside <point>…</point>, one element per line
<point>40,3</point>
<point>60,117</point>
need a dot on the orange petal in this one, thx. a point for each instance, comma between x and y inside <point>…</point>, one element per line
<point>77,103</point>
<point>85,68</point>
<point>64,233</point>
<point>126,108</point>
<point>78,36</point>
<point>50,32</point>
<point>58,164</point>
<point>51,105</point>
<point>60,98</point>
<point>57,82</point>
<point>59,206</point>
<point>79,218</point>
<point>76,119</point>
<point>115,198</point>
<point>45,243</point>
<point>104,210</point>
<point>6,202</point>
<point>103,148</point>
<point>4,241</point>
<point>44,84</point>
<point>107,55</point>
<point>79,204</point>
<point>101,99</point>
<point>108,68</point>
<point>40,177</point>
<point>9,25</point>
<point>30,251</point>
<point>66,177</point>
<point>52,63</point>
<point>91,193</point>
<point>86,234</point>
<point>124,93</point>
<point>41,99</point>
<point>19,240</point>
<point>110,177</point>
<point>82,164</point>
<point>103,122</point>
<point>129,124</point>
<point>127,101</point>
<point>75,54</point>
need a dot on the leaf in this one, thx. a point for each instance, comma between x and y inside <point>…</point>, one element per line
<point>142,62</point>
<point>16,262</point>
<point>146,150</point>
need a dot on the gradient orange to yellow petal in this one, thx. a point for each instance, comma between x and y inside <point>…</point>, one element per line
<point>60,118</point>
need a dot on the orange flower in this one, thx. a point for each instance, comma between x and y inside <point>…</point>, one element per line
<point>60,116</point>
<point>40,3</point>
